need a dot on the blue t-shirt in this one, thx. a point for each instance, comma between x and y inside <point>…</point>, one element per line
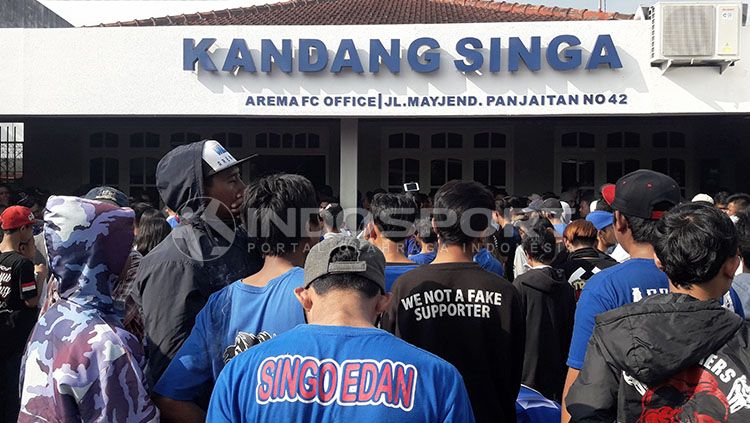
<point>424,258</point>
<point>613,287</point>
<point>234,319</point>
<point>334,373</point>
<point>394,270</point>
<point>488,262</point>
<point>560,227</point>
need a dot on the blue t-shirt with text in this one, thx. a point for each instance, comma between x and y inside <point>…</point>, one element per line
<point>233,320</point>
<point>319,373</point>
<point>613,287</point>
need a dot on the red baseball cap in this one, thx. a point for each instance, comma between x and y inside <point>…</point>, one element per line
<point>15,217</point>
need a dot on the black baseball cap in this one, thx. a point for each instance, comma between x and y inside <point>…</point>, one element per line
<point>108,194</point>
<point>646,194</point>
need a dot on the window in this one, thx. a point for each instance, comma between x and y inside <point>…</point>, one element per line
<point>623,139</point>
<point>144,139</point>
<point>401,171</point>
<point>668,139</point>
<point>104,139</point>
<point>577,139</point>
<point>444,170</point>
<point>180,138</point>
<point>104,171</point>
<point>489,140</point>
<point>11,151</point>
<point>143,177</point>
<point>287,140</point>
<point>447,139</point>
<point>616,169</point>
<point>672,167</point>
<point>403,140</point>
<point>229,139</point>
<point>578,173</point>
<point>490,172</point>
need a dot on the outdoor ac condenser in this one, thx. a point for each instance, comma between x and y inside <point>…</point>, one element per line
<point>695,34</point>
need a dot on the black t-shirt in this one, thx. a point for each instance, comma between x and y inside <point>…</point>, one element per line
<point>17,284</point>
<point>471,318</point>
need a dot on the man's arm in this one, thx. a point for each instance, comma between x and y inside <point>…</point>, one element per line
<point>28,284</point>
<point>593,395</point>
<point>569,379</point>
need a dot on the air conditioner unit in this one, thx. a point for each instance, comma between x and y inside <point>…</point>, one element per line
<point>695,34</point>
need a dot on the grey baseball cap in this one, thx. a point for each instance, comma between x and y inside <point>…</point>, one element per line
<point>370,261</point>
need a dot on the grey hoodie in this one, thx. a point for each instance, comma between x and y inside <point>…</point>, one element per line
<point>199,257</point>
<point>667,358</point>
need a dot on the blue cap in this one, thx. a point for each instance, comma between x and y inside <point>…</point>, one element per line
<point>109,194</point>
<point>600,218</point>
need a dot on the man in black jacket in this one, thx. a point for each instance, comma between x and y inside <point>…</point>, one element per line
<point>678,356</point>
<point>207,251</point>
<point>549,303</point>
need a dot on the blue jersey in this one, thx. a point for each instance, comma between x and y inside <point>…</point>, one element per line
<point>423,258</point>
<point>613,287</point>
<point>234,319</point>
<point>333,373</point>
<point>488,262</point>
<point>394,270</point>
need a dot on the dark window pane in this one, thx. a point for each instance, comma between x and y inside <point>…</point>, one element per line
<point>586,173</point>
<point>569,173</point>
<point>614,140</point>
<point>497,170</point>
<point>498,140</point>
<point>111,171</point>
<point>411,141</point>
<point>455,140</point>
<point>176,139</point>
<point>677,171</point>
<point>300,140</point>
<point>234,140</point>
<point>313,141</point>
<point>221,137</point>
<point>454,169</point>
<point>96,140</point>
<point>570,139</point>
<point>261,140</point>
<point>192,137</point>
<point>412,170</point>
<point>150,170</point>
<point>396,141</point>
<point>96,171</point>
<point>677,140</point>
<point>659,140</point>
<point>632,140</point>
<point>136,140</point>
<point>481,171</point>
<point>660,165</point>
<point>586,140</point>
<point>614,171</point>
<point>438,141</point>
<point>136,171</point>
<point>395,171</point>
<point>631,165</point>
<point>437,172</point>
<point>274,140</point>
<point>152,140</point>
<point>482,140</point>
<point>287,140</point>
<point>111,140</point>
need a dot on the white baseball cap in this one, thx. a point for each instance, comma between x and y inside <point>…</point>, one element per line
<point>218,158</point>
<point>703,198</point>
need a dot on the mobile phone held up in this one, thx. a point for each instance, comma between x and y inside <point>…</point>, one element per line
<point>411,186</point>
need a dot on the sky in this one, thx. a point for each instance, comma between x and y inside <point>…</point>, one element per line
<point>92,12</point>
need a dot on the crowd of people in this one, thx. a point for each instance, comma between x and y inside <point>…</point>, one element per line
<point>266,302</point>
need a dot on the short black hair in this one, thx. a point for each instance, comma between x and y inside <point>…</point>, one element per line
<point>332,215</point>
<point>345,281</point>
<point>472,204</point>
<point>541,246</point>
<point>269,203</point>
<point>394,215</point>
<point>141,208</point>
<point>721,197</point>
<point>694,240</point>
<point>743,231</point>
<point>644,230</point>
<point>425,231</point>
<point>741,200</point>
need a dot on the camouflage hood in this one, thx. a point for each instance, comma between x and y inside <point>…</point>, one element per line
<point>88,243</point>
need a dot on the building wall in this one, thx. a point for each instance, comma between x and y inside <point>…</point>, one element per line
<point>29,14</point>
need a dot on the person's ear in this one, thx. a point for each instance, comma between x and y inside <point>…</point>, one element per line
<point>384,301</point>
<point>658,263</point>
<point>620,222</point>
<point>303,296</point>
<point>730,266</point>
<point>370,232</point>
